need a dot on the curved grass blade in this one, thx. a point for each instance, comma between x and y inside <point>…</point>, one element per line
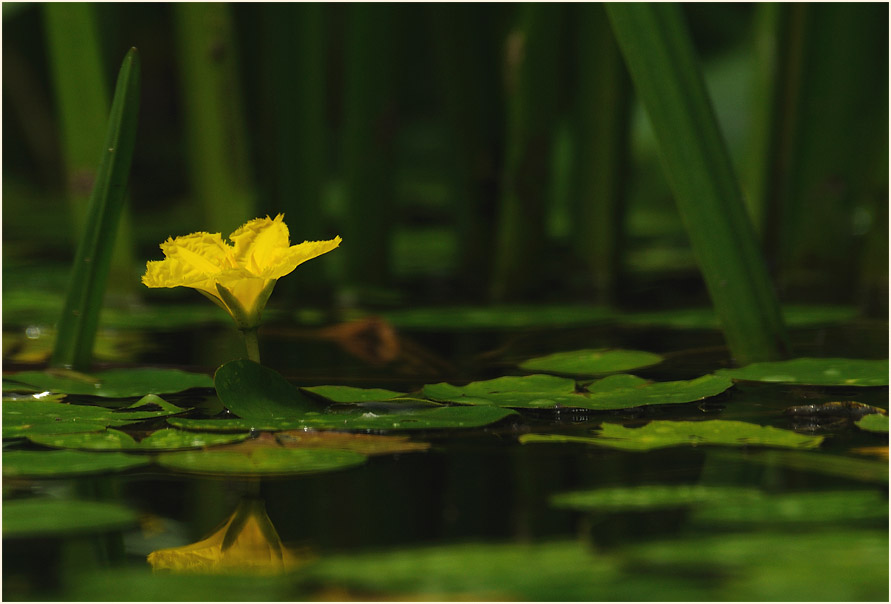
<point>80,317</point>
<point>660,57</point>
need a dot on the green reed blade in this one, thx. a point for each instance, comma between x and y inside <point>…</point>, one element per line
<point>80,316</point>
<point>533,81</point>
<point>214,120</point>
<point>602,118</point>
<point>660,57</point>
<point>81,94</point>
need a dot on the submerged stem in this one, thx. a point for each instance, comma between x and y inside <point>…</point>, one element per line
<point>251,343</point>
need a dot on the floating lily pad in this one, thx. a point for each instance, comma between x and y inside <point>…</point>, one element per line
<point>649,497</point>
<point>114,383</point>
<point>876,422</point>
<point>279,461</point>
<point>854,468</point>
<point>54,517</point>
<point>799,508</point>
<point>836,565</point>
<point>619,391</point>
<point>39,417</point>
<point>815,372</point>
<point>705,318</point>
<point>439,418</point>
<point>592,361</point>
<point>46,396</point>
<point>498,317</point>
<point>350,394</point>
<point>252,391</point>
<point>366,444</point>
<point>532,391</point>
<point>57,464</point>
<point>114,440</point>
<point>660,434</point>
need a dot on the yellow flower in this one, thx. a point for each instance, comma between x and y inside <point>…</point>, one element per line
<point>247,542</point>
<point>238,277</point>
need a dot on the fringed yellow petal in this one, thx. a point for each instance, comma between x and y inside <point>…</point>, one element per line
<point>300,253</point>
<point>248,269</point>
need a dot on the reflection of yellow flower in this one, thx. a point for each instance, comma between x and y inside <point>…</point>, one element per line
<point>247,542</point>
<point>238,277</point>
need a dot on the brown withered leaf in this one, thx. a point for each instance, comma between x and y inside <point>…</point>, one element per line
<point>367,444</point>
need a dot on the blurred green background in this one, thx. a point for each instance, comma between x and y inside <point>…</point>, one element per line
<point>466,153</point>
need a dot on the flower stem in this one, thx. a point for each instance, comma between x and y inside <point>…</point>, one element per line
<point>250,342</point>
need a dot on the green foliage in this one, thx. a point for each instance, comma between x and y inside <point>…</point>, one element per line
<point>24,418</point>
<point>59,464</point>
<point>815,372</point>
<point>591,361</point>
<point>252,391</point>
<point>350,394</point>
<point>45,517</point>
<point>80,317</point>
<point>114,383</point>
<point>659,434</point>
<point>261,461</point>
<point>797,508</point>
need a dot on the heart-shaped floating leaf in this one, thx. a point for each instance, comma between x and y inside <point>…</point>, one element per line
<point>53,464</point>
<point>439,418</point>
<point>167,439</point>
<point>800,508</point>
<point>815,372</point>
<point>619,391</point>
<point>254,392</point>
<point>350,394</point>
<point>23,418</point>
<point>592,361</point>
<point>51,517</point>
<point>659,434</point>
<point>114,383</point>
<point>251,461</point>
<point>649,497</point>
<point>875,422</point>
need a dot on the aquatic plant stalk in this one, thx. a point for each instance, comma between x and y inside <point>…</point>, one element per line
<point>81,95</point>
<point>80,316</point>
<point>602,129</point>
<point>533,70</point>
<point>661,60</point>
<point>214,122</point>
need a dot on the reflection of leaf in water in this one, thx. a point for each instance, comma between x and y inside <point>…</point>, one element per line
<point>246,543</point>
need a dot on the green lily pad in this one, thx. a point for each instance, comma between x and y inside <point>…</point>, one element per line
<point>799,508</point>
<point>530,391</point>
<point>267,461</point>
<point>498,317</point>
<point>45,517</point>
<point>660,434</point>
<point>874,422</point>
<point>650,497</point>
<point>10,396</point>
<point>592,361</point>
<point>23,418</point>
<point>114,383</point>
<point>350,394</point>
<point>166,439</point>
<point>252,391</point>
<point>865,470</point>
<point>620,391</point>
<point>57,464</point>
<point>155,400</point>
<point>439,418</point>
<point>837,565</point>
<point>815,372</point>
